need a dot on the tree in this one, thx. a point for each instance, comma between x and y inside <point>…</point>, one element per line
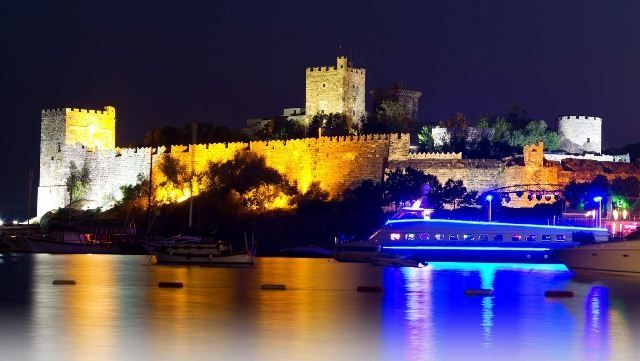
<point>453,191</point>
<point>404,185</point>
<point>533,132</point>
<point>580,195</point>
<point>77,182</point>
<point>394,113</point>
<point>281,128</point>
<point>458,128</point>
<point>391,117</point>
<point>247,178</point>
<point>333,124</point>
<point>425,139</point>
<point>173,170</point>
<point>501,130</point>
<point>483,122</point>
<point>376,124</point>
<point>517,116</point>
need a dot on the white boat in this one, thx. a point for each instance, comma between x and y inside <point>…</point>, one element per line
<point>171,241</point>
<point>618,257</point>
<point>219,253</point>
<point>412,232</point>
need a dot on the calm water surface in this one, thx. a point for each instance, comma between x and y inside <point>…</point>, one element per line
<point>116,311</point>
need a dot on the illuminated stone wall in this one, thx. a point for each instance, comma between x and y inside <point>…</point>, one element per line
<point>477,174</point>
<point>335,163</point>
<point>339,89</point>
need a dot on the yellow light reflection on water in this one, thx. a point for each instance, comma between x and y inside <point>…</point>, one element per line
<point>86,313</point>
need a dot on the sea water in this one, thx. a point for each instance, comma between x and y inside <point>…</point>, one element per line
<point>116,311</point>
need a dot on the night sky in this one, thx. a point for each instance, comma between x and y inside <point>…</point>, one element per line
<point>173,62</point>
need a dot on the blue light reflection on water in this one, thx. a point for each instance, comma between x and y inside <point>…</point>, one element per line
<point>596,333</point>
<point>439,322</point>
<point>116,311</point>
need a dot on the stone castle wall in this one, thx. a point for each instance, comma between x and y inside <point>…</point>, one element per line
<point>335,163</point>
<point>339,89</point>
<point>477,174</point>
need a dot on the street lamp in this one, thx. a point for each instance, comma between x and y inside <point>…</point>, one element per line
<point>489,198</point>
<point>599,200</point>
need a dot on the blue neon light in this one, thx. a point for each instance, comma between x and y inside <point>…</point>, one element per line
<point>391,221</point>
<point>469,248</point>
<point>484,267</point>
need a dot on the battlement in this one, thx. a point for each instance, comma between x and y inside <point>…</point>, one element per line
<point>108,110</point>
<point>309,142</point>
<point>53,112</point>
<point>434,155</point>
<point>579,117</point>
<point>341,64</point>
<point>320,69</point>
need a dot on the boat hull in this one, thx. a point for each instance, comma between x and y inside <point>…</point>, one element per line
<point>610,258</point>
<point>233,259</point>
<point>202,254</point>
<point>57,247</point>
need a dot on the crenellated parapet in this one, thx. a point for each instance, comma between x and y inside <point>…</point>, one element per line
<point>434,155</point>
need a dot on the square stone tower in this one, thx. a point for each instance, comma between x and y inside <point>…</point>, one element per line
<point>66,135</point>
<point>339,89</point>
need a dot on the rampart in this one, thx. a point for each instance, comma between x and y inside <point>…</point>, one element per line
<point>334,163</point>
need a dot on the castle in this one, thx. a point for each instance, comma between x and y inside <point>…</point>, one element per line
<point>85,139</point>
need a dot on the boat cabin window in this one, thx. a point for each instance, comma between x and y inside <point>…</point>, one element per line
<point>410,236</point>
<point>531,238</point>
<point>453,237</point>
<point>498,237</point>
<point>439,236</point>
<point>483,237</point>
<point>560,237</point>
<point>469,237</point>
<point>546,237</point>
<point>516,237</point>
<point>424,236</point>
<point>394,236</point>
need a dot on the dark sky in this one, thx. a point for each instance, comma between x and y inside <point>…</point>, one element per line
<point>172,62</point>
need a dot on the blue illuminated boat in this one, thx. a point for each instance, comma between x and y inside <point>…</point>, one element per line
<point>412,232</point>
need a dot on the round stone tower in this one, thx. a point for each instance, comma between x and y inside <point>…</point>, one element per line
<point>580,134</point>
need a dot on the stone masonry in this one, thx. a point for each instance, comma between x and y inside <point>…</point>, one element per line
<point>339,89</point>
<point>87,137</point>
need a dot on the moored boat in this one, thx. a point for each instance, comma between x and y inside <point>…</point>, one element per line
<point>413,233</point>
<point>217,253</point>
<point>79,245</point>
<point>617,257</point>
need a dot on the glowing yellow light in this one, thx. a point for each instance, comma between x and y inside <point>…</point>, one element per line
<point>616,214</point>
<point>625,214</point>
